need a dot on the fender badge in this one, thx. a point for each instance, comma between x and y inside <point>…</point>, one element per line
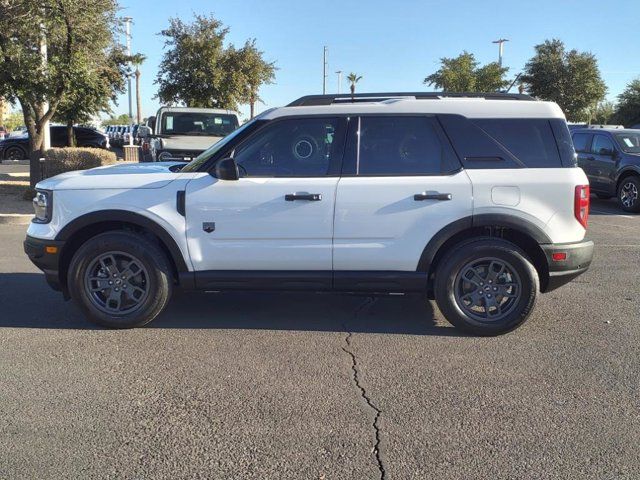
<point>208,226</point>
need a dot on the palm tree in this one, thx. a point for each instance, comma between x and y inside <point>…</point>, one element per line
<point>137,60</point>
<point>353,78</point>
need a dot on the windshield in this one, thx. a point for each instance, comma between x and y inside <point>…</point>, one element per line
<point>192,123</point>
<point>195,164</point>
<point>629,141</point>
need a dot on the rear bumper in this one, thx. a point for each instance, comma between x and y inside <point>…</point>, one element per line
<point>49,263</point>
<point>577,259</point>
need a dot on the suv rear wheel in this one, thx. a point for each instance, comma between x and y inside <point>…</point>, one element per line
<point>120,279</point>
<point>486,286</point>
<point>629,194</point>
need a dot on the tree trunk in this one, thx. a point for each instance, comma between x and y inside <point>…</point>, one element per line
<point>35,167</point>
<point>138,99</point>
<point>252,105</point>
<point>71,141</point>
<point>353,90</point>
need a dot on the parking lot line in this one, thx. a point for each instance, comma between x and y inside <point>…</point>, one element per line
<point>609,214</point>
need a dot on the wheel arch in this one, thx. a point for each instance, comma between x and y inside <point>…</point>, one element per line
<point>630,171</point>
<point>522,233</point>
<point>81,229</point>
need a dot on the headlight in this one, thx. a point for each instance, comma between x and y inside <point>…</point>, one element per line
<point>43,206</point>
<point>165,156</point>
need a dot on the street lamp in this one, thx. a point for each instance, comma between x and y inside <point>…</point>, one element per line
<point>339,72</point>
<point>500,43</point>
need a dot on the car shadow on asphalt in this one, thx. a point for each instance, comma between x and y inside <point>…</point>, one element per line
<point>27,302</point>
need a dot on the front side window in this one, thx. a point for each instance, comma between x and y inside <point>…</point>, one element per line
<point>601,145</point>
<point>629,141</point>
<point>399,145</point>
<point>192,123</point>
<point>302,147</point>
<point>581,142</point>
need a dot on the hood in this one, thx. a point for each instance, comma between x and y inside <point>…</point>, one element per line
<point>118,176</point>
<point>188,142</point>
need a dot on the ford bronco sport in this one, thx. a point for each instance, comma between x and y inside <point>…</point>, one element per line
<point>472,200</point>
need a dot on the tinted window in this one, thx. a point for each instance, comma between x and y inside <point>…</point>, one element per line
<point>629,141</point>
<point>291,148</point>
<point>530,140</point>
<point>401,145</point>
<point>192,123</point>
<point>581,142</point>
<point>601,142</point>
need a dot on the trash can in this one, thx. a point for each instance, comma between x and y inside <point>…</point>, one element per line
<point>131,153</point>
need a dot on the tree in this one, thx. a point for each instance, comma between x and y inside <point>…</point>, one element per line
<point>602,113</point>
<point>353,78</point>
<point>137,60</point>
<point>37,77</point>
<point>569,78</point>
<point>463,74</point>
<point>122,119</point>
<point>628,110</point>
<point>253,72</point>
<point>92,89</point>
<point>198,70</point>
<point>13,120</point>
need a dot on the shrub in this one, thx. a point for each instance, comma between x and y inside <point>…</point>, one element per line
<point>60,160</point>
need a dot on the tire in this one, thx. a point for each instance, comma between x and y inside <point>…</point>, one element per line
<point>461,301</point>
<point>604,196</point>
<point>629,194</point>
<point>15,153</point>
<point>104,259</point>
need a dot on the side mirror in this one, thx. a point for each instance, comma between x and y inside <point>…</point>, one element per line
<point>151,123</point>
<point>144,131</point>
<point>226,169</point>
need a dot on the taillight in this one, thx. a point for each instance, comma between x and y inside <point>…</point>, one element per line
<point>581,204</point>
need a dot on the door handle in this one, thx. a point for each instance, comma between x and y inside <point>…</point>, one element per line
<point>418,197</point>
<point>310,197</point>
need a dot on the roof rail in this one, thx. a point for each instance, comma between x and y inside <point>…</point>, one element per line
<point>313,100</point>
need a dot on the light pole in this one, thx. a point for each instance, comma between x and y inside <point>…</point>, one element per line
<point>500,43</point>
<point>324,71</point>
<point>127,24</point>
<point>339,72</point>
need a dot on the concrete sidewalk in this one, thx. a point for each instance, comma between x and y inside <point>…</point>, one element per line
<point>14,180</point>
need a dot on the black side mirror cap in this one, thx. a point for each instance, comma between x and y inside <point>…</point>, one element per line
<point>226,169</point>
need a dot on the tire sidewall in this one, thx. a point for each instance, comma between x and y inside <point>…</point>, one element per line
<point>461,256</point>
<point>635,208</point>
<point>158,281</point>
<point>21,153</point>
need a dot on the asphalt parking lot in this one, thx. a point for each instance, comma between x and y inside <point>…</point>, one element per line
<point>325,387</point>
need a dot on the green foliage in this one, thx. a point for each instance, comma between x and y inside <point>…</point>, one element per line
<point>60,160</point>
<point>198,70</point>
<point>463,74</point>
<point>13,120</point>
<point>569,78</point>
<point>75,32</point>
<point>628,110</point>
<point>601,114</point>
<point>353,78</point>
<point>119,120</point>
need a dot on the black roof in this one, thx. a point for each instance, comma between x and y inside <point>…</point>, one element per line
<point>311,100</point>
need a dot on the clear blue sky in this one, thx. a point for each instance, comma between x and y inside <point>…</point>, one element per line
<point>393,44</point>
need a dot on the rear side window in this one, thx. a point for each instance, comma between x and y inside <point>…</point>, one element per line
<point>601,145</point>
<point>529,140</point>
<point>581,142</point>
<point>398,146</point>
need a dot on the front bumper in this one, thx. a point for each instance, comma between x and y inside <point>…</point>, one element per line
<point>46,254</point>
<point>577,259</point>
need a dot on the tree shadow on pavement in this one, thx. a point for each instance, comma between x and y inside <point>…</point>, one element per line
<point>26,301</point>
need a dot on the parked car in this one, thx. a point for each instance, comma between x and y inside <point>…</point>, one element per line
<point>476,203</point>
<point>17,148</point>
<point>611,160</point>
<point>184,133</point>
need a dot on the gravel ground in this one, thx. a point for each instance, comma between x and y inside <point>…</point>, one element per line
<point>326,387</point>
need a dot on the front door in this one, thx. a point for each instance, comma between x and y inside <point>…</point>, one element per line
<point>402,183</point>
<point>279,215</point>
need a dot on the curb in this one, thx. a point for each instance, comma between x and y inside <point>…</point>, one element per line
<point>15,219</point>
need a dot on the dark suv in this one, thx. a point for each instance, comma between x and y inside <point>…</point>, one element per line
<point>611,160</point>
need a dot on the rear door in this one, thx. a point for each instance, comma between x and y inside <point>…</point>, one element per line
<point>582,145</point>
<point>603,165</point>
<point>401,184</point>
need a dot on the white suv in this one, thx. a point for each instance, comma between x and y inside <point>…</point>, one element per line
<point>472,200</point>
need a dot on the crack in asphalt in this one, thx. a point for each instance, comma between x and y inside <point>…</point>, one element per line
<point>363,392</point>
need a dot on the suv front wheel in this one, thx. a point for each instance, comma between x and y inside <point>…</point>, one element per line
<point>486,286</point>
<point>629,194</point>
<point>120,279</point>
